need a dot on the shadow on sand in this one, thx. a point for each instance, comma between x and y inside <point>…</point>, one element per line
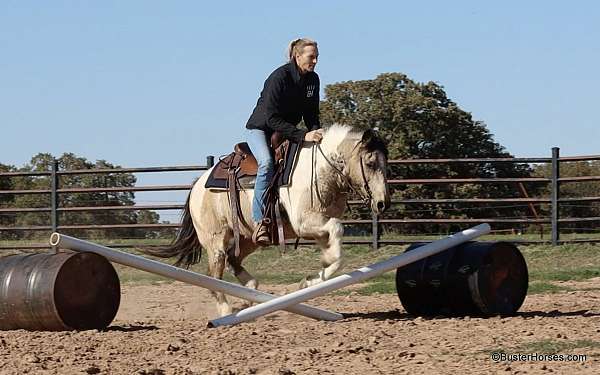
<point>399,316</point>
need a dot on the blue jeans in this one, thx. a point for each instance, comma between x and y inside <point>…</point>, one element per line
<point>257,140</point>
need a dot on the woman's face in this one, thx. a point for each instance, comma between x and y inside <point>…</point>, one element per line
<point>307,60</point>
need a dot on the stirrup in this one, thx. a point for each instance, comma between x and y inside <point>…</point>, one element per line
<point>261,234</point>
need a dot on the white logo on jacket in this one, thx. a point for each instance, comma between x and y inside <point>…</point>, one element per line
<point>310,90</point>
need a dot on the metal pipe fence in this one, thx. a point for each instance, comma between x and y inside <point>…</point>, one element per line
<point>554,201</point>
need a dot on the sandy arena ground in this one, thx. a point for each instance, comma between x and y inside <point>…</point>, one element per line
<point>161,329</point>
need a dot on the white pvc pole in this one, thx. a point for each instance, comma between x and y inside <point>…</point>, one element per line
<point>356,276</point>
<point>149,265</point>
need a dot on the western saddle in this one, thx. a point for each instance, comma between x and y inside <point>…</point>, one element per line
<point>238,170</point>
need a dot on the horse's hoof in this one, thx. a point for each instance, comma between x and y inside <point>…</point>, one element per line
<point>303,284</point>
<point>224,311</point>
<point>235,310</point>
<point>244,306</point>
<point>252,284</point>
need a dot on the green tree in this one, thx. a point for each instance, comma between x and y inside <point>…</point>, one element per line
<point>69,162</point>
<point>419,121</point>
<point>148,217</point>
<point>34,182</point>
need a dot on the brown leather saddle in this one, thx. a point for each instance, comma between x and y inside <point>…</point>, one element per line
<point>243,161</point>
<point>238,171</point>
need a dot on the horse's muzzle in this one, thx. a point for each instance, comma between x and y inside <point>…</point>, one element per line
<point>380,206</point>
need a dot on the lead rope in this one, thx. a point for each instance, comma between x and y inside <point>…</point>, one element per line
<point>312,174</point>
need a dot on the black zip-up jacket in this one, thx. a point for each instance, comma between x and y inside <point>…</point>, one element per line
<point>287,98</point>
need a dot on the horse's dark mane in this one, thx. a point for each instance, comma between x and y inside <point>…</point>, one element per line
<point>375,143</point>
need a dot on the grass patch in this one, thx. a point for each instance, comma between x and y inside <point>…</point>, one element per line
<point>562,263</point>
<point>573,274</point>
<point>542,287</point>
<point>294,265</point>
<point>382,284</point>
<point>546,264</point>
<point>142,278</point>
<point>128,275</point>
<point>378,287</point>
<point>281,279</point>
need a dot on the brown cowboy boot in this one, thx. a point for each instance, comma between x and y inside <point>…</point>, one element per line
<point>261,233</point>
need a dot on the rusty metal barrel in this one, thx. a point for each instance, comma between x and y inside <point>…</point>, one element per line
<point>475,278</point>
<point>57,292</point>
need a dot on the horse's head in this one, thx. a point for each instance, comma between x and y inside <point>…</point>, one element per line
<point>367,169</point>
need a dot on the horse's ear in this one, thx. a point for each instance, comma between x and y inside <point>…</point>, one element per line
<point>368,135</point>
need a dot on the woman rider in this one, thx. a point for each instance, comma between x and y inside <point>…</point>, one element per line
<point>290,94</point>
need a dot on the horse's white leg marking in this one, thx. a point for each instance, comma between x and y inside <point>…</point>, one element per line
<point>328,233</point>
<point>244,277</point>
<point>216,265</point>
<point>248,281</point>
<point>215,242</point>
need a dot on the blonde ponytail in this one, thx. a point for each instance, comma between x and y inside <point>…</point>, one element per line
<point>297,46</point>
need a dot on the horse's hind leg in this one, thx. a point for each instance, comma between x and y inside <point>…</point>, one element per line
<point>217,259</point>
<point>328,233</point>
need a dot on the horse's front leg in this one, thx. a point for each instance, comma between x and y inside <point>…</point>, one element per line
<point>235,266</point>
<point>328,233</point>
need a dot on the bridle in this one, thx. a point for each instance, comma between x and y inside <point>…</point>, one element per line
<point>366,199</point>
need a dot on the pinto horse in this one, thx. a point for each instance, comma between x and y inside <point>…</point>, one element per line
<point>346,160</point>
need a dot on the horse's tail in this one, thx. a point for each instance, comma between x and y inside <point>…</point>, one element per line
<point>185,245</point>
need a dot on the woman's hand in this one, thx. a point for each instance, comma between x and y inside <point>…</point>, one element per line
<point>314,136</point>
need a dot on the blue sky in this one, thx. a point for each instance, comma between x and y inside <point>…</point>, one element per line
<point>150,83</point>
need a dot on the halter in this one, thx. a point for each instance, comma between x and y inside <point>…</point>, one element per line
<point>366,199</point>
